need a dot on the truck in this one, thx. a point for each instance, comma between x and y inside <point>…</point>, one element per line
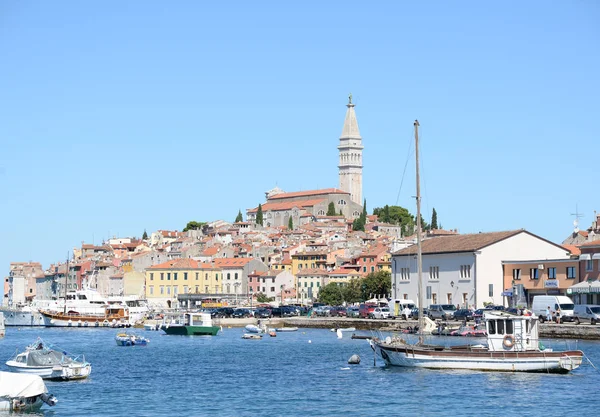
<point>397,305</point>
<point>542,302</point>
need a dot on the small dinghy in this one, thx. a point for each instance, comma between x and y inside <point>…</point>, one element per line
<point>130,339</point>
<point>251,336</point>
<point>286,329</point>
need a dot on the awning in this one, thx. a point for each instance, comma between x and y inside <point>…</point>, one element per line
<point>585,257</point>
<point>596,256</point>
<point>585,288</point>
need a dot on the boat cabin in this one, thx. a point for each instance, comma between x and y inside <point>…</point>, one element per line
<point>197,319</point>
<point>509,332</point>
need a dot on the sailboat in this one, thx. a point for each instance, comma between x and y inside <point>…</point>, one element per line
<point>512,341</point>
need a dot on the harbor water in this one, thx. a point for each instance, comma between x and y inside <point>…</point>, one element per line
<point>303,373</point>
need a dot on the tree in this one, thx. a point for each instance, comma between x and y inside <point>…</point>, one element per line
<point>331,209</point>
<point>290,224</point>
<point>341,214</point>
<point>352,292</point>
<point>145,235</point>
<point>239,217</point>
<point>397,215</point>
<point>259,215</point>
<point>376,283</point>
<point>358,225</point>
<point>331,294</point>
<point>434,223</point>
<point>363,216</point>
<point>262,298</point>
<point>194,226</point>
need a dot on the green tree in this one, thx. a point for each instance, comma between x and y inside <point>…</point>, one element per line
<point>376,284</point>
<point>397,215</point>
<point>239,217</point>
<point>363,216</point>
<point>262,298</point>
<point>145,235</point>
<point>357,224</point>
<point>259,215</point>
<point>194,226</point>
<point>290,224</point>
<point>341,214</point>
<point>331,294</point>
<point>331,209</point>
<point>434,222</point>
<point>352,292</point>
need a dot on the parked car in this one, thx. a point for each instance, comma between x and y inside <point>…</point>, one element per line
<point>322,311</point>
<point>365,309</point>
<point>352,312</point>
<point>414,313</point>
<point>338,311</point>
<point>241,313</point>
<point>442,311</point>
<point>586,312</point>
<point>262,313</point>
<point>463,314</point>
<point>478,314</point>
<point>380,313</point>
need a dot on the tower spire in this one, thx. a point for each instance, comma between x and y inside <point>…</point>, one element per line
<point>350,162</point>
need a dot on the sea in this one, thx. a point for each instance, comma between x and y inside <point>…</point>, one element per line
<point>302,373</point>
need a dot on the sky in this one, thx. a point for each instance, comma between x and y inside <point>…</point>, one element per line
<point>119,117</point>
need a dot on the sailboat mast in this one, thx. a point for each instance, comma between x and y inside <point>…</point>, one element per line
<point>419,255</point>
<point>66,282</point>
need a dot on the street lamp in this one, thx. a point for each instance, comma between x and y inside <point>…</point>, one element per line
<point>250,298</point>
<point>235,286</point>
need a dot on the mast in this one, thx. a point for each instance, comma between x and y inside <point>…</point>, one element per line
<point>66,282</point>
<point>419,255</point>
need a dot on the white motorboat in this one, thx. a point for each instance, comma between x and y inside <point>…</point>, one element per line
<point>253,328</point>
<point>49,362</point>
<point>22,316</point>
<point>251,336</point>
<point>286,329</point>
<point>23,392</point>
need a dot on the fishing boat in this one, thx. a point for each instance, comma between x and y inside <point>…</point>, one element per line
<point>130,339</point>
<point>513,343</point>
<point>113,316</point>
<point>23,392</point>
<point>190,324</point>
<point>49,362</point>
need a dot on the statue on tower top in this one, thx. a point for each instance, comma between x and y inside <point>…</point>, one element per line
<point>350,98</point>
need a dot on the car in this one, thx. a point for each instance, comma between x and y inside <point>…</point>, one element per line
<point>414,313</point>
<point>463,314</point>
<point>352,312</point>
<point>322,311</point>
<point>365,309</point>
<point>478,314</point>
<point>241,313</point>
<point>263,313</point>
<point>380,313</point>
<point>338,311</point>
<point>441,311</point>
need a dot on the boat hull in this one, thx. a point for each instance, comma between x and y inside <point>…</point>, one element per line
<point>28,404</point>
<point>479,359</point>
<point>14,317</point>
<point>55,319</point>
<point>59,373</point>
<point>191,330</point>
<point>130,340</point>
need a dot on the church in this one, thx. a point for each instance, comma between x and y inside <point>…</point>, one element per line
<point>305,206</point>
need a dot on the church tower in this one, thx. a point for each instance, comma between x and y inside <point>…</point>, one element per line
<point>350,148</point>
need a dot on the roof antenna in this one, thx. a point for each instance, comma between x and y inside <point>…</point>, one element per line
<point>577,215</point>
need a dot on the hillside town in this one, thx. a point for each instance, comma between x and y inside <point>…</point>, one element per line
<point>295,243</point>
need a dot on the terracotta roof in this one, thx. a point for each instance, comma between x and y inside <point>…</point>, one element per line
<point>232,262</point>
<point>573,249</point>
<point>592,243</point>
<point>210,251</point>
<point>307,193</point>
<point>459,243</point>
<point>287,205</point>
<point>177,264</point>
<point>311,271</point>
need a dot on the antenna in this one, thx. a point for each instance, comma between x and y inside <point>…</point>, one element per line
<point>577,215</point>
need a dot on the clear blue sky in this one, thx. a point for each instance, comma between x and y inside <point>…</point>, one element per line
<point>117,117</point>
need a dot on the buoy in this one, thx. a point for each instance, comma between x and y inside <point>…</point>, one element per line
<point>310,341</point>
<point>340,334</point>
<point>354,360</point>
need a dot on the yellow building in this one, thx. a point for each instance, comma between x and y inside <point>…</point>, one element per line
<point>308,260</point>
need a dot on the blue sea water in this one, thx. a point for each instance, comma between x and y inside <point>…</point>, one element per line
<point>303,373</point>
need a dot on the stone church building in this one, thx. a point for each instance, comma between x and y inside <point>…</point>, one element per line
<point>304,206</point>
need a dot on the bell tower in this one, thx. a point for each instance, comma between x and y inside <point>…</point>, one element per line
<point>350,163</point>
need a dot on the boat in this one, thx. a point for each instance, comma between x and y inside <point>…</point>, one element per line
<point>130,339</point>
<point>190,324</point>
<point>344,329</point>
<point>49,362</point>
<point>286,329</point>
<point>513,343</point>
<point>251,336</point>
<point>2,328</point>
<point>136,306</point>
<point>253,328</point>
<point>20,392</point>
<point>113,316</point>
<point>21,316</point>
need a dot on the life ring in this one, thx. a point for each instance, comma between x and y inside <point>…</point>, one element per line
<point>509,341</point>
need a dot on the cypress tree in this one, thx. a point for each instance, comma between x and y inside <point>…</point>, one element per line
<point>145,235</point>
<point>331,209</point>
<point>290,224</point>
<point>434,222</point>
<point>239,217</point>
<point>259,215</point>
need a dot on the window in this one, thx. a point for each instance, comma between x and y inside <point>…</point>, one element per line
<point>491,290</point>
<point>551,273</point>
<point>168,276</point>
<point>589,265</point>
<point>151,290</point>
<point>235,276</point>
<point>570,272</point>
<point>216,277</point>
<point>428,292</point>
<point>465,271</point>
<point>228,276</point>
<point>465,298</point>
<point>272,289</point>
<point>405,273</point>
<point>197,275</point>
<point>162,276</point>
<point>185,276</point>
<point>174,290</point>
<point>174,276</point>
<point>151,276</point>
<point>206,277</point>
<point>372,269</point>
<point>162,289</point>
<point>434,298</point>
<point>168,290</point>
<point>434,272</point>
<point>534,273</point>
<point>364,269</point>
<point>449,297</point>
<point>516,274</point>
<point>342,202</point>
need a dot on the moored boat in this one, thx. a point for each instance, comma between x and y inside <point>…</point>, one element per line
<point>251,336</point>
<point>130,339</point>
<point>23,392</point>
<point>22,316</point>
<point>114,316</point>
<point>190,324</point>
<point>49,362</point>
<point>286,329</point>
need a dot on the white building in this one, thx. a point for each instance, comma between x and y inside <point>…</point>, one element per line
<point>466,269</point>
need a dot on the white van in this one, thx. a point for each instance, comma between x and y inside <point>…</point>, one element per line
<point>542,302</point>
<point>587,312</point>
<point>397,305</point>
